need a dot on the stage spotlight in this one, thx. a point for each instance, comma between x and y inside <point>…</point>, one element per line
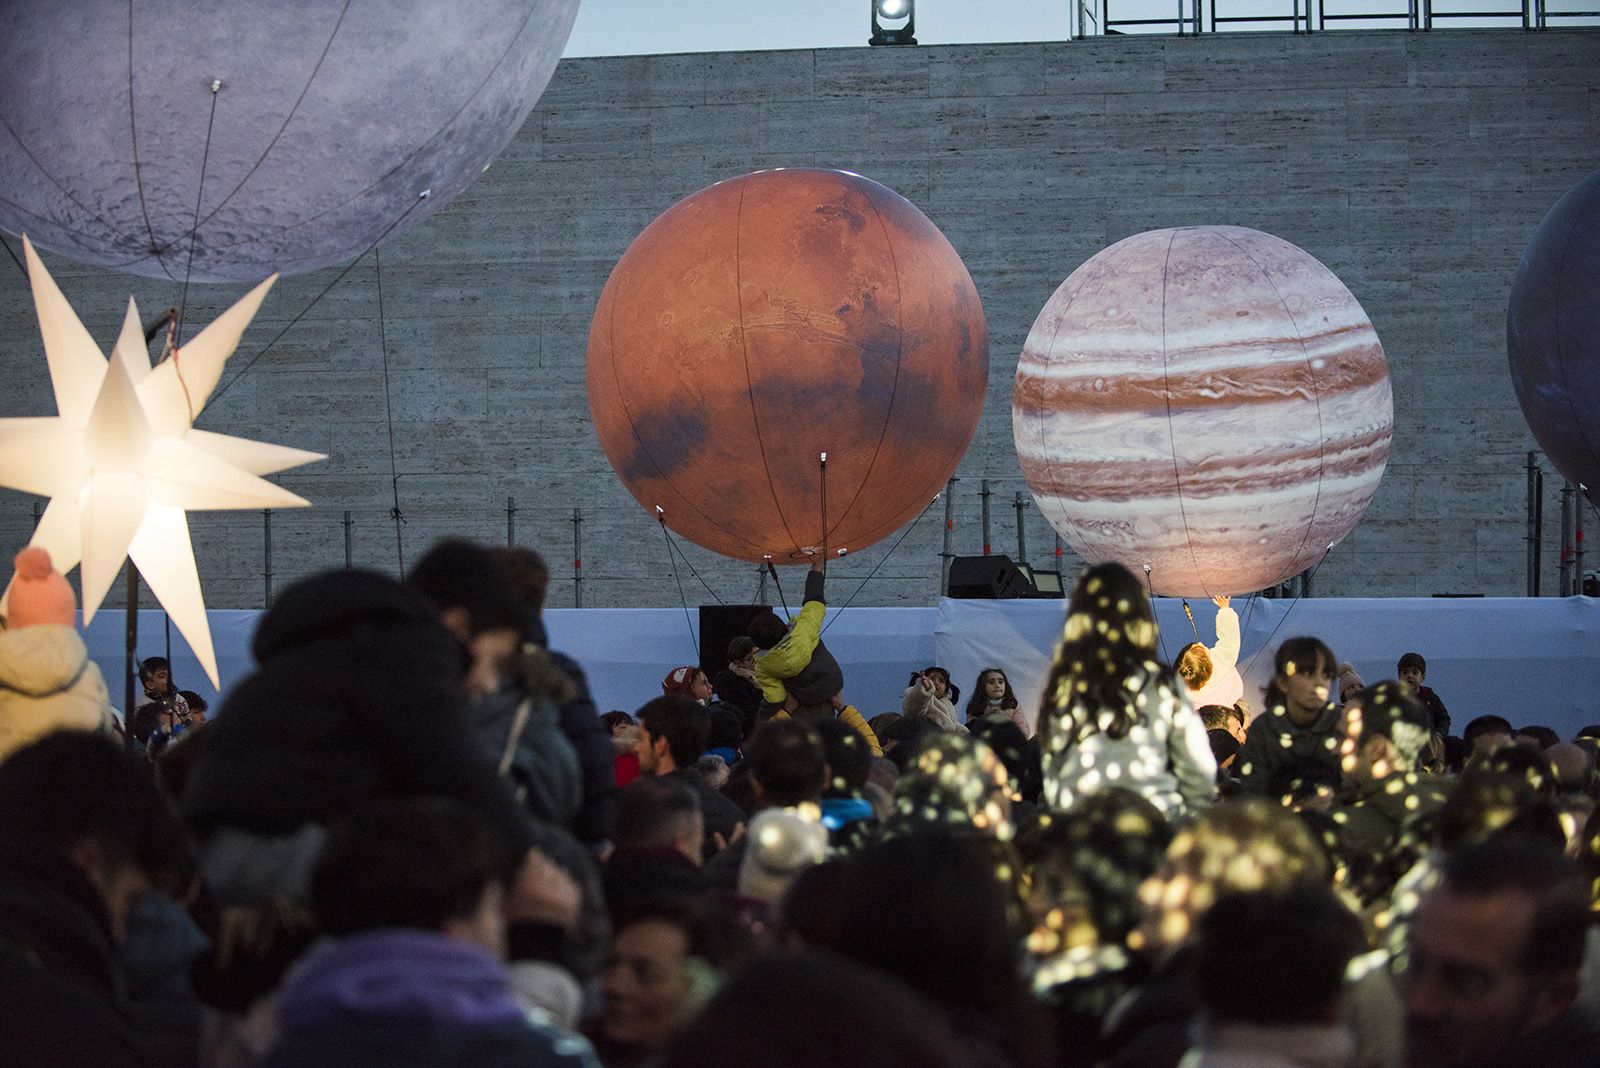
<point>893,22</point>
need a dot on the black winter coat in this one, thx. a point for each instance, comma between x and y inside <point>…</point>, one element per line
<point>59,979</point>
<point>358,695</point>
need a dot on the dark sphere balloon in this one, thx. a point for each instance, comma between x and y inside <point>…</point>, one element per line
<point>330,122</point>
<point>771,318</point>
<point>1553,335</point>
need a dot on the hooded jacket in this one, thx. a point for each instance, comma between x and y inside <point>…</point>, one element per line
<point>48,682</point>
<point>1274,744</point>
<point>409,997</point>
<point>358,695</point>
<point>800,664</point>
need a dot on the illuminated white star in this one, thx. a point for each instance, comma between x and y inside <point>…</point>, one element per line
<point>122,463</point>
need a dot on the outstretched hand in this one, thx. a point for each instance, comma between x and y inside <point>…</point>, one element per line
<point>1222,601</point>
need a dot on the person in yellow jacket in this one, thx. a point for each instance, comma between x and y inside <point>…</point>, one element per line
<point>791,661</point>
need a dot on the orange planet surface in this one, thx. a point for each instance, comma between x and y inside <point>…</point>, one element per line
<point>770,319</point>
<point>1210,402</point>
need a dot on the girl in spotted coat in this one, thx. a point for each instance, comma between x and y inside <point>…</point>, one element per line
<point>1112,713</point>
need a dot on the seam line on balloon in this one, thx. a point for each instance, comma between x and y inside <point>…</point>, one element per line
<point>622,399</point>
<point>899,358</point>
<point>294,109</point>
<point>1172,438</point>
<point>397,168</point>
<point>138,176</point>
<point>1316,396</point>
<point>744,348</point>
<point>1049,352</point>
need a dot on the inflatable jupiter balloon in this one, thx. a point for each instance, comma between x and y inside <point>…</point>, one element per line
<point>1210,402</point>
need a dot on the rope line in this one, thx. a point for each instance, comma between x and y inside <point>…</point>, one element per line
<point>1268,643</point>
<point>693,641</point>
<point>194,234</point>
<point>689,564</point>
<point>881,562</point>
<point>12,253</point>
<point>773,571</point>
<point>388,417</point>
<point>303,312</point>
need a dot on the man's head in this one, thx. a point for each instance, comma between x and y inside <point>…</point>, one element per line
<point>742,652</point>
<point>155,675</point>
<point>1303,676</point>
<point>787,763</point>
<point>1194,665</point>
<point>665,962</point>
<point>529,573</point>
<point>1494,952</point>
<point>1574,766</point>
<point>425,863</point>
<point>1486,734</point>
<point>1412,669</point>
<point>672,734</point>
<point>1256,947</point>
<point>1218,717</point>
<point>657,813</point>
<point>767,629</point>
<point>1386,730</point>
<point>1240,845</point>
<point>478,604</point>
<point>1536,736</point>
<point>81,798</point>
<point>848,756</point>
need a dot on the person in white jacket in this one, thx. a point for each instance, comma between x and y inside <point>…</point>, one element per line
<point>1112,714</point>
<point>47,681</point>
<point>930,695</point>
<point>1212,674</point>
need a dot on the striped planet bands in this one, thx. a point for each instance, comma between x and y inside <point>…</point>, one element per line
<point>1210,401</point>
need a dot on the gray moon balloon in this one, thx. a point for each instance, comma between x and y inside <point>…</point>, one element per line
<point>331,122</point>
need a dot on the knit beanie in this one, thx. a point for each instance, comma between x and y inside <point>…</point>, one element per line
<point>1349,678</point>
<point>39,594</point>
<point>783,842</point>
<point>679,682</point>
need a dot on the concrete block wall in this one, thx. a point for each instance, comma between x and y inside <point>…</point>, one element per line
<point>1413,165</point>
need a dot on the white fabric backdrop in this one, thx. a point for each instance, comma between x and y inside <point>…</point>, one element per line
<point>1532,660</point>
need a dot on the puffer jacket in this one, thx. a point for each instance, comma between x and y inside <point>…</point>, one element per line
<point>48,682</point>
<point>358,695</point>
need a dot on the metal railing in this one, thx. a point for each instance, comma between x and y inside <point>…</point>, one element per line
<point>1092,18</point>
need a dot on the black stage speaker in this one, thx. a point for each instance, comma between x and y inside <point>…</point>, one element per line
<point>719,625</point>
<point>987,577</point>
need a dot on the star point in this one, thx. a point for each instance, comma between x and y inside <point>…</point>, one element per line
<point>122,463</point>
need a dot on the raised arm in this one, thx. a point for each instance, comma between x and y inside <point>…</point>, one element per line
<point>1225,654</point>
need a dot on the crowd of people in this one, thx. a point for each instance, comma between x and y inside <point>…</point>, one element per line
<point>409,837</point>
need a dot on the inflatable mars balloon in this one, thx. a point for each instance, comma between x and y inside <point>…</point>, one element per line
<point>769,319</point>
<point>229,140</point>
<point>1208,401</point>
<point>1553,335</point>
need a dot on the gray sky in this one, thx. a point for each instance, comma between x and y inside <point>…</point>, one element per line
<point>631,27</point>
